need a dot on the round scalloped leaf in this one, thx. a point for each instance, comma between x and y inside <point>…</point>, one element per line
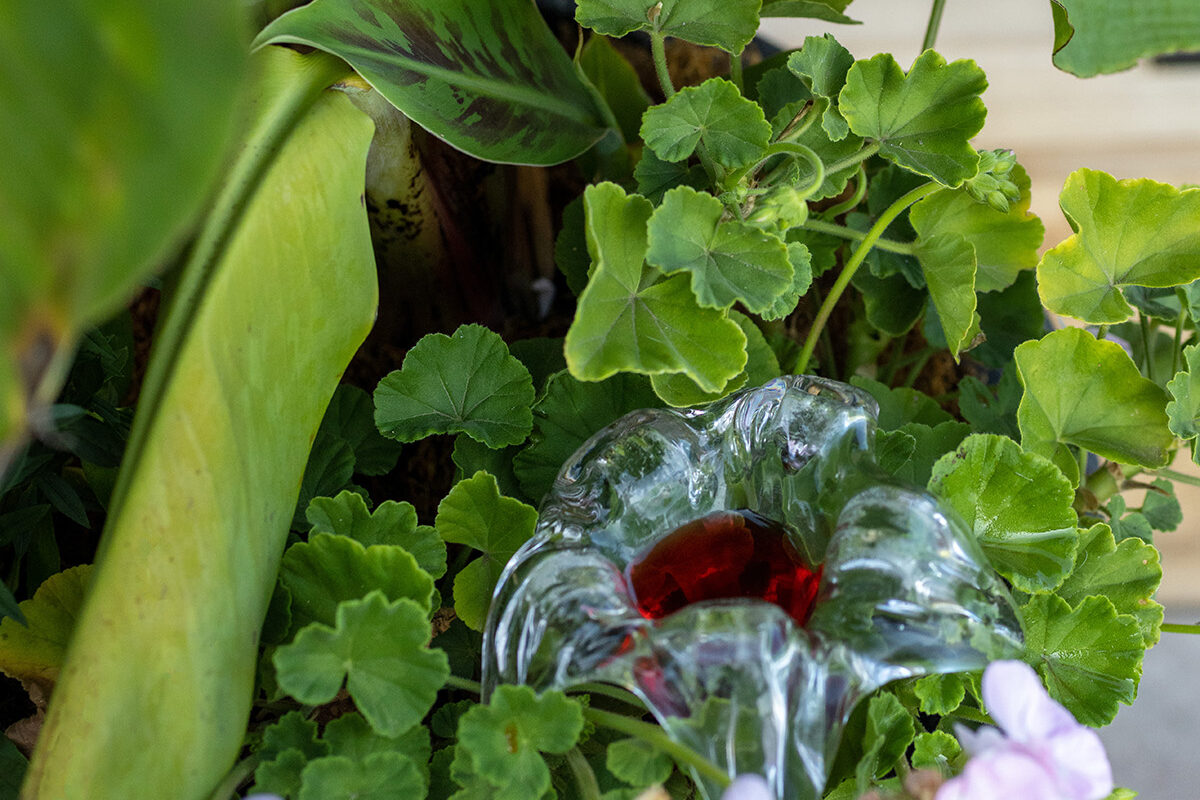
<point>761,366</point>
<point>1128,574</point>
<point>465,383</point>
<point>638,763</point>
<point>328,570</point>
<point>1088,393</point>
<point>940,694</point>
<point>936,750</point>
<point>828,10</point>
<point>890,729</point>
<point>822,63</point>
<point>1089,657</point>
<point>379,776</point>
<point>729,262</point>
<point>1127,233</point>
<point>923,120</point>
<point>1095,36</point>
<point>727,24</point>
<point>1005,242</point>
<point>379,649</point>
<point>391,523</point>
<point>1018,505</point>
<point>33,652</point>
<point>732,128</point>
<point>632,319</point>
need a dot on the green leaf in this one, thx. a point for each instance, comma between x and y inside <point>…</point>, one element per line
<point>655,176</point>
<point>470,457</point>
<point>617,82</point>
<point>391,523</point>
<point>292,732</point>
<point>281,774</point>
<point>33,642</point>
<point>475,514</point>
<point>901,405</point>
<point>1161,507</point>
<point>936,750</point>
<point>638,763</point>
<point>567,415</point>
<point>828,10</point>
<point>823,63</point>
<point>800,258</point>
<point>350,735</point>
<point>1088,393</point>
<point>327,570</point>
<point>541,355</point>
<point>379,649</point>
<point>1128,574</point>
<point>1005,242</point>
<point>932,442</point>
<point>714,114</point>
<point>727,24</point>
<point>890,729</point>
<point>988,411</point>
<point>108,149</point>
<point>490,79</point>
<point>940,694</point>
<point>892,305</point>
<point>1133,525</point>
<point>729,262</point>
<point>1090,657</point>
<point>782,95</point>
<point>894,449</point>
<point>1131,232</point>
<point>465,383</point>
<point>504,738</point>
<point>379,776</point>
<point>1007,319</point>
<point>1017,504</point>
<point>923,120</point>
<point>631,319</point>
<point>329,470</point>
<point>1183,411</point>
<point>948,261</point>
<point>12,769</point>
<point>351,418</point>
<point>1093,36</point>
<point>761,366</point>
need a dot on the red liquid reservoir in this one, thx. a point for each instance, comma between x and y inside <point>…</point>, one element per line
<point>727,554</point>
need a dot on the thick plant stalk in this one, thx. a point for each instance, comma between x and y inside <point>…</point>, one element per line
<point>155,691</point>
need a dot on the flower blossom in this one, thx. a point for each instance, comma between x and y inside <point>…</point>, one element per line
<point>748,787</point>
<point>1039,751</point>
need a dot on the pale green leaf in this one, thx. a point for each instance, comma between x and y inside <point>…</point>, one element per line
<point>939,694</point>
<point>948,261</point>
<point>1098,36</point>
<point>1088,393</point>
<point>1130,232</point>
<point>729,262</point>
<point>465,383</point>
<point>761,366</point>
<point>713,114</point>
<point>1128,574</point>
<point>890,729</point>
<point>281,774</point>
<point>32,650</point>
<point>632,319</point>
<point>1017,504</point>
<point>1183,411</point>
<point>379,649</point>
<point>936,750</point>
<point>379,776</point>
<point>350,735</point>
<point>391,523</point>
<point>728,24</point>
<point>923,120</point>
<point>489,78</point>
<point>638,763</point>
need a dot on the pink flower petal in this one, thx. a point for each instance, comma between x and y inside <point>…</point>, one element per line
<point>748,787</point>
<point>1014,696</point>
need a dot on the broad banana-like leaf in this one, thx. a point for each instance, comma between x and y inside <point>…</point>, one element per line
<point>154,695</point>
<point>114,117</point>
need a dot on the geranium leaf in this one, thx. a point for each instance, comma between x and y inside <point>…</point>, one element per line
<point>1005,242</point>
<point>761,366</point>
<point>936,750</point>
<point>1092,36</point>
<point>505,738</point>
<point>568,413</point>
<point>1128,574</point>
<point>727,24</point>
<point>292,732</point>
<point>465,383</point>
<point>1088,393</point>
<point>1183,411</point>
<point>33,650</point>
<point>632,319</point>
<point>391,523</point>
<point>351,736</point>
<point>281,774</point>
<point>617,81</point>
<point>900,405</point>
<point>923,120</point>
<point>1161,506</point>
<point>655,176</point>
<point>327,570</point>
<point>1090,657</point>
<point>729,262</point>
<point>379,776</point>
<point>489,78</point>
<point>329,470</point>
<point>823,63</point>
<point>782,95</point>
<point>1008,318</point>
<point>828,10</point>
<point>637,763</point>
<point>948,261</point>
<point>940,694</point>
<point>800,258</point>
<point>1131,232</point>
<point>1132,525</point>
<point>351,418</point>
<point>890,729</point>
<point>893,306</point>
<point>379,649</point>
<point>474,513</point>
<point>1018,505</point>
<point>732,128</point>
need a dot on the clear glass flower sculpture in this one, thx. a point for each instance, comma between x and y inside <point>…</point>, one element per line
<point>750,573</point>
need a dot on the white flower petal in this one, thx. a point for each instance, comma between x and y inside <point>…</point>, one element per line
<point>748,787</point>
<point>1014,696</point>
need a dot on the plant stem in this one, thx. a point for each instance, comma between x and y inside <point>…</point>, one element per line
<point>656,736</point>
<point>849,161</point>
<point>1147,346</point>
<point>914,372</point>
<point>466,684</point>
<point>850,203</point>
<point>935,22</point>
<point>1178,477</point>
<point>735,70</point>
<point>585,778</point>
<point>1172,627</point>
<point>864,247</point>
<point>842,232</point>
<point>658,50</point>
<point>236,776</point>
<point>1177,353</point>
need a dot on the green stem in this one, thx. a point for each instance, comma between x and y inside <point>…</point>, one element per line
<point>864,247</point>
<point>1178,477</point>
<point>842,232</point>
<point>466,684</point>
<point>1147,346</point>
<point>857,158</point>
<point>1172,627</point>
<point>658,50</point>
<point>1177,353</point>
<point>735,70</point>
<point>915,371</point>
<point>611,692</point>
<point>236,776</point>
<point>849,204</point>
<point>1083,460</point>
<point>783,148</point>
<point>935,22</point>
<point>283,111</point>
<point>585,778</point>
<point>657,737</point>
